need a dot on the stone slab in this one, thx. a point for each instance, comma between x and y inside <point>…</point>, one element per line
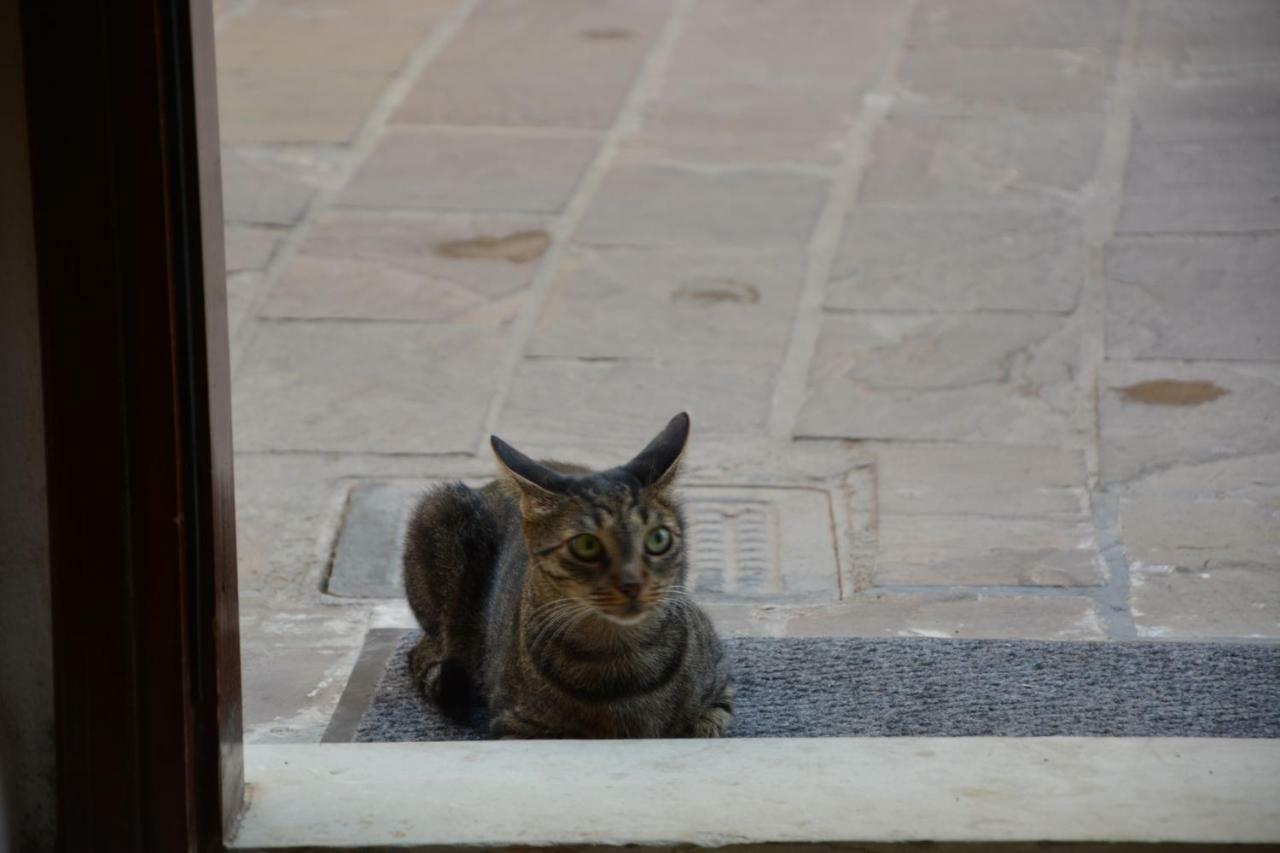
<point>441,267</point>
<point>1208,109</point>
<point>258,191</point>
<point>933,259</point>
<point>290,690</point>
<point>1194,297</point>
<point>564,63</point>
<point>292,71</point>
<point>1158,415</point>
<point>1001,379</point>
<point>773,792</point>
<point>779,148</point>
<point>1224,602</point>
<point>331,35</point>
<point>643,303</point>
<point>1046,24</point>
<point>295,668</point>
<point>971,550</point>
<point>242,290</point>
<point>1202,156</point>
<point>269,107</point>
<point>366,387</point>
<point>1195,37</point>
<point>984,80</point>
<point>753,70</point>
<point>1219,185</point>
<point>968,159</point>
<point>471,170</point>
<point>250,248</point>
<point>1036,482</point>
<point>1203,534</point>
<point>620,405</point>
<point>687,207</point>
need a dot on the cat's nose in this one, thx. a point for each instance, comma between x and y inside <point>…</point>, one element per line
<point>631,588</point>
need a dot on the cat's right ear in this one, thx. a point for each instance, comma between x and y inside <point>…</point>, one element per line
<point>541,489</point>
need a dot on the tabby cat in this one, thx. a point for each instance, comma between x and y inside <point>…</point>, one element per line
<point>554,597</point>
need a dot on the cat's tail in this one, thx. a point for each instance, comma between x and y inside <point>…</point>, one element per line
<point>451,548</point>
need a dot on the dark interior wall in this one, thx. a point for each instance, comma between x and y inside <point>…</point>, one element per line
<point>26,651</point>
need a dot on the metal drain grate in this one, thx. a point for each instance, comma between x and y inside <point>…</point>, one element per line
<point>761,545</point>
<point>735,548</point>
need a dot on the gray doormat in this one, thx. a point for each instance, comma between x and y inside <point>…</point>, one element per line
<point>861,687</point>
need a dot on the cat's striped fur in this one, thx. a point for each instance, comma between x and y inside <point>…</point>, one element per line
<point>555,645</point>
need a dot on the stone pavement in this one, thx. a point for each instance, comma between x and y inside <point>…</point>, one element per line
<point>975,303</point>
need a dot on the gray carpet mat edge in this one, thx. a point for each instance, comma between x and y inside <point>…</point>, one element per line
<point>893,687</point>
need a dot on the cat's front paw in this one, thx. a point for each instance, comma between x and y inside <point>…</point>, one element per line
<point>509,725</point>
<point>716,717</point>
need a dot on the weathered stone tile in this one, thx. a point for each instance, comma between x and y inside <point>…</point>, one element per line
<point>777,149</point>
<point>637,303</point>
<point>290,690</point>
<point>376,387</point>
<point>258,106</point>
<point>445,267</point>
<point>1203,157</point>
<point>1230,601</point>
<point>674,206</point>
<point>620,405</point>
<point>958,615</point>
<point>242,288</point>
<point>250,248</point>
<point>967,159</point>
<point>921,258</point>
<point>256,192</point>
<point>968,550</point>
<point>1252,478</point>
<point>1202,533</point>
<point>453,170</point>
<point>1046,24</point>
<point>1215,186</point>
<point>292,71</point>
<point>334,35</point>
<point>1208,109</point>
<point>563,63</point>
<point>1203,543</point>
<point>1154,415</point>
<point>982,80</point>
<point>1040,482</point>
<point>1002,379</point>
<point>1194,297</point>
<point>1204,37</point>
<point>760,72</point>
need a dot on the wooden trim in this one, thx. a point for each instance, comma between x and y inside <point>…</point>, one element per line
<point>123,133</point>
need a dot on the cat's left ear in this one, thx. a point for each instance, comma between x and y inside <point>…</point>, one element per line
<point>541,489</point>
<point>657,465</point>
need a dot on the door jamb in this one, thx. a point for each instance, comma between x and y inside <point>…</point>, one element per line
<point>122,120</point>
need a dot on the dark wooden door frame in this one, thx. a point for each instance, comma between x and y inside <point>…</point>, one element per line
<point>123,131</point>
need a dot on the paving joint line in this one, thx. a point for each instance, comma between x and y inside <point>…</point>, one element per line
<point>1100,220</point>
<point>791,378</point>
<point>625,123</point>
<point>366,138</point>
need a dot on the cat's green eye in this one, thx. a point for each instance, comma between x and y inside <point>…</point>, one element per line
<point>658,541</point>
<point>586,547</point>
